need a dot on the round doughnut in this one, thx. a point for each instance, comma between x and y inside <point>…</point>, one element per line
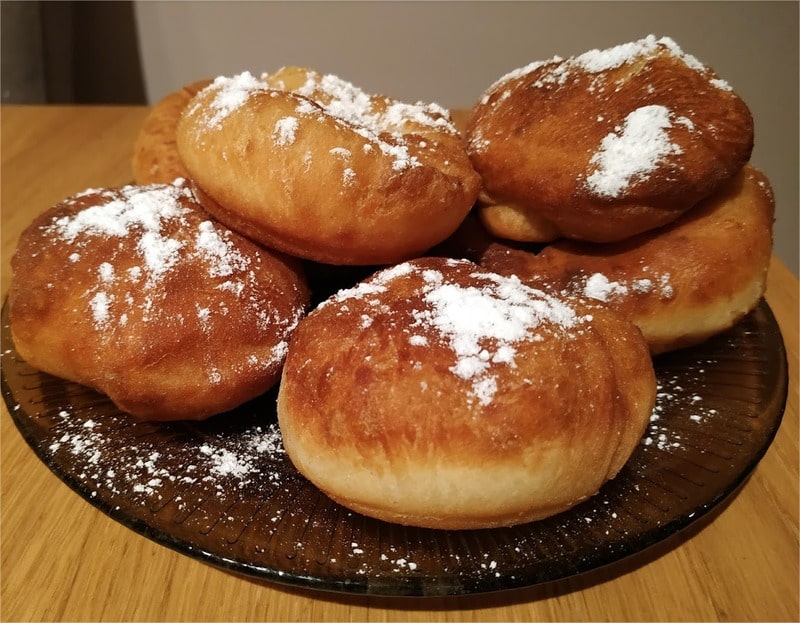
<point>438,394</point>
<point>604,145</point>
<point>324,171</point>
<point>137,293</point>
<point>681,284</point>
<point>155,154</point>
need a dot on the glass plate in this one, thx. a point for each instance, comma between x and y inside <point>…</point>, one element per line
<point>223,491</point>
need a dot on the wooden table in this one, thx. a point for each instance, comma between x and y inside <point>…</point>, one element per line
<point>64,560</point>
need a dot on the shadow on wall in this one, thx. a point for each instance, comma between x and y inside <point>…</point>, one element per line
<point>70,53</point>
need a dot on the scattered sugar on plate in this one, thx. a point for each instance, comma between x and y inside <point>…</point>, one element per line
<point>672,397</point>
<point>223,462</point>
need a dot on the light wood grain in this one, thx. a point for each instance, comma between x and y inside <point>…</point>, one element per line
<point>64,560</point>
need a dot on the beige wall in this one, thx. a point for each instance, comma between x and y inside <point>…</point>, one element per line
<point>449,52</point>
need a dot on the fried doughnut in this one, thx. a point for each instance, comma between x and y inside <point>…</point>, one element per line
<point>681,284</point>
<point>438,394</point>
<point>605,145</point>
<point>320,170</point>
<point>137,293</point>
<point>155,155</point>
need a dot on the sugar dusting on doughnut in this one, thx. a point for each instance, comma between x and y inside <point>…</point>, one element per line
<point>232,94</point>
<point>118,213</point>
<point>598,287</point>
<point>633,151</point>
<point>136,292</point>
<point>604,145</point>
<point>145,212</point>
<point>481,323</point>
<point>376,119</point>
<point>597,61</point>
<point>313,166</point>
<point>373,118</point>
<point>507,403</point>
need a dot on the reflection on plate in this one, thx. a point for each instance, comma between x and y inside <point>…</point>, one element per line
<point>223,491</point>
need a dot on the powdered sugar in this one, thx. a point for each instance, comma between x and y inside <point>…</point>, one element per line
<point>145,468</point>
<point>221,255</point>
<point>226,463</point>
<point>674,397</point>
<point>482,323</point>
<point>557,70</point>
<point>380,121</point>
<point>231,94</point>
<point>164,237</point>
<point>500,313</point>
<point>347,102</point>
<point>595,61</point>
<point>99,305</point>
<point>142,207</point>
<point>633,151</point>
<point>599,287</point>
<point>285,131</point>
<point>106,272</point>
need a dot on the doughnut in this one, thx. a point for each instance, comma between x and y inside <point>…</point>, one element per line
<point>310,165</point>
<point>604,145</point>
<point>438,394</point>
<point>136,292</point>
<point>155,154</point>
<point>680,284</point>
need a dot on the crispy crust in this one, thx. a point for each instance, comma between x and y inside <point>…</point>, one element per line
<point>372,410</point>
<point>137,293</point>
<point>155,154</point>
<point>680,284</point>
<point>291,170</point>
<point>603,150</point>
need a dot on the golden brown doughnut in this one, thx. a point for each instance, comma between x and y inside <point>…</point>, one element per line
<point>324,171</point>
<point>605,145</point>
<point>137,293</point>
<point>438,394</point>
<point>155,155</point>
<point>680,284</point>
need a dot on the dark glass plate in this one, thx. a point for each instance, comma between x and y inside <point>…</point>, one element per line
<point>224,492</point>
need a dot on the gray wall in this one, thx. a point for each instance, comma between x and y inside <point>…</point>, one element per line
<point>449,52</point>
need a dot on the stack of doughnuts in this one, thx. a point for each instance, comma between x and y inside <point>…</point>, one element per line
<point>474,311</point>
<point>680,284</point>
<point>631,165</point>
